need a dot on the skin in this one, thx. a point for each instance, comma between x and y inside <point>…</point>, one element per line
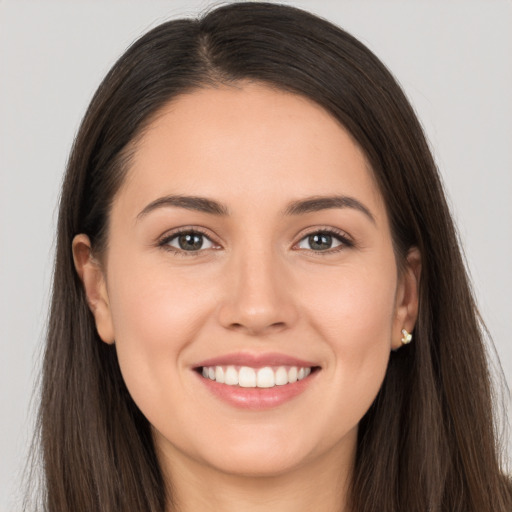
<point>257,288</point>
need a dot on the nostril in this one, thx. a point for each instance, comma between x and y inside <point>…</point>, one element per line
<point>246,314</point>
<point>258,329</point>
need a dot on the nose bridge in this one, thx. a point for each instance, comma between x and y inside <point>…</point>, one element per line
<point>257,298</point>
<point>257,279</point>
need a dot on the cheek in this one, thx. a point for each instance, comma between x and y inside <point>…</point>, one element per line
<point>355,306</point>
<point>354,315</point>
<point>155,316</point>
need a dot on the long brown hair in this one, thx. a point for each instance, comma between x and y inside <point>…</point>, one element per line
<point>428,440</point>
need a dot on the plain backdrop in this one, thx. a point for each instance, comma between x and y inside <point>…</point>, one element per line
<point>453,59</point>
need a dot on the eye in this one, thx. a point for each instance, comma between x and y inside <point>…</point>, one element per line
<point>188,241</point>
<point>323,241</point>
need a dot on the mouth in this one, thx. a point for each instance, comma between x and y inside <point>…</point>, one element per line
<point>256,382</point>
<point>249,377</point>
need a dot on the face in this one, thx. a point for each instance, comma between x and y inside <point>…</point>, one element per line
<point>249,243</point>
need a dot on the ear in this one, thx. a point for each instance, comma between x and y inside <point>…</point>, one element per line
<point>93,279</point>
<point>406,306</point>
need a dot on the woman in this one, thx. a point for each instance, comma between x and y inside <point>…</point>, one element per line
<point>259,301</point>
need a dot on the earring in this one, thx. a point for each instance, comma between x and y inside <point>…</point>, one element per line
<point>406,337</point>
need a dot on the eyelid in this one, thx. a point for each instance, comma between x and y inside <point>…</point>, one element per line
<point>343,237</point>
<point>163,241</point>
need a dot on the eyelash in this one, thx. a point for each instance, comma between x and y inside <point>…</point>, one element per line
<point>340,236</point>
<point>164,242</point>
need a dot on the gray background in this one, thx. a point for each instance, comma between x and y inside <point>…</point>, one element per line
<point>453,58</point>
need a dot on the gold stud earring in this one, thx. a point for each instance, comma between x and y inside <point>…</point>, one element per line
<point>406,337</point>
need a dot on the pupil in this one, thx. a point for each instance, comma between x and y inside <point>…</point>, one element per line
<point>320,241</point>
<point>191,242</point>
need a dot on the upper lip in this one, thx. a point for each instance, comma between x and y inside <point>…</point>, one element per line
<point>256,360</point>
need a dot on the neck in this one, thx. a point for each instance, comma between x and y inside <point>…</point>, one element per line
<point>318,485</point>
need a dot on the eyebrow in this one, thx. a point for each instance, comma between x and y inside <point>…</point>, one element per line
<point>200,204</point>
<point>299,207</point>
<point>318,203</point>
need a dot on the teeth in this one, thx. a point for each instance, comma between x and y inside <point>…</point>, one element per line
<point>247,377</point>
<point>265,378</point>
<point>219,374</point>
<point>231,376</point>
<point>281,376</point>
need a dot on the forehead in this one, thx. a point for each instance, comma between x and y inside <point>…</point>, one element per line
<point>248,140</point>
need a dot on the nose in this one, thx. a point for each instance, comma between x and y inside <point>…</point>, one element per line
<point>259,295</point>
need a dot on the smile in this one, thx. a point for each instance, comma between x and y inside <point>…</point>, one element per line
<point>247,377</point>
<point>257,381</point>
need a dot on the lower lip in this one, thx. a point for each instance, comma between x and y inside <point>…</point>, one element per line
<point>258,398</point>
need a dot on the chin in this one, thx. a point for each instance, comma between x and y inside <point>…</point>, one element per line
<point>260,464</point>
<point>264,452</point>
